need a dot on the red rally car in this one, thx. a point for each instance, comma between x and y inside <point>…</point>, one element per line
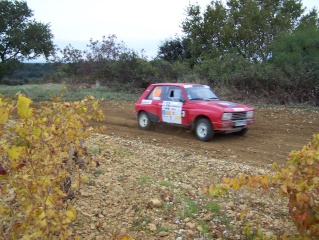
<point>192,105</point>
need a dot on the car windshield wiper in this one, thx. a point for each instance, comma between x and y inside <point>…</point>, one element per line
<point>212,98</point>
<point>192,99</point>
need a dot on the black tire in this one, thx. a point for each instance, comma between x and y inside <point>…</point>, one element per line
<point>242,132</point>
<point>144,121</point>
<point>204,130</point>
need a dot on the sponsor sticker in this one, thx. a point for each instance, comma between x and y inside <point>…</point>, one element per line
<point>239,109</point>
<point>228,104</point>
<point>172,112</point>
<point>145,101</point>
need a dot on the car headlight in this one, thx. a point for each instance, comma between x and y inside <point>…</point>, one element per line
<point>227,116</point>
<point>250,114</point>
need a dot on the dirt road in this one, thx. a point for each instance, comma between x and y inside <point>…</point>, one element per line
<point>276,133</point>
<point>169,164</point>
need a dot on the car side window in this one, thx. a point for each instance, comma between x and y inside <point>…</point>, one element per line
<point>175,94</point>
<point>156,93</point>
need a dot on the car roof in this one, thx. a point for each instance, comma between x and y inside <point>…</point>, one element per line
<point>176,84</point>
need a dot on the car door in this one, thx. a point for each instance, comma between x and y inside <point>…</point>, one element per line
<point>172,106</point>
<point>153,103</point>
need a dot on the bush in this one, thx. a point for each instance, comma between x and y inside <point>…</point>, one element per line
<point>42,165</point>
<point>298,181</point>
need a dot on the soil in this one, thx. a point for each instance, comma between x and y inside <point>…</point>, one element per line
<point>152,184</point>
<point>276,133</point>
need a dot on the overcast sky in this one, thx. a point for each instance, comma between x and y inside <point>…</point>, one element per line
<point>140,24</point>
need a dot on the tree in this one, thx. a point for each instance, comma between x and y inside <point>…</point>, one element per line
<point>310,20</point>
<point>257,24</point>
<point>204,31</point>
<point>173,50</point>
<point>21,37</point>
<point>297,55</point>
<point>108,49</point>
<point>71,58</point>
<point>246,27</point>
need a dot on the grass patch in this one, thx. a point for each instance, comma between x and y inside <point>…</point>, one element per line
<point>98,172</point>
<point>189,209</point>
<point>122,154</point>
<point>95,150</point>
<point>91,183</point>
<point>144,180</point>
<point>205,226</point>
<point>42,92</point>
<point>164,229</point>
<point>213,207</point>
<point>34,91</point>
<point>146,219</point>
<point>166,184</point>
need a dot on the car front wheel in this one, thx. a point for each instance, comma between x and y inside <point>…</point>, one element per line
<point>204,130</point>
<point>144,121</point>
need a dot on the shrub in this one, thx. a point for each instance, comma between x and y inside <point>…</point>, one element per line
<point>39,151</point>
<point>298,181</point>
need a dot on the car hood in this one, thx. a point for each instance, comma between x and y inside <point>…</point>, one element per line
<point>230,106</point>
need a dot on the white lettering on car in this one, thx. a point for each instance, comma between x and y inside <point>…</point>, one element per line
<point>145,101</point>
<point>239,109</point>
<point>183,113</point>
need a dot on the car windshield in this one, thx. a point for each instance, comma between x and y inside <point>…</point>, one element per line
<point>200,92</point>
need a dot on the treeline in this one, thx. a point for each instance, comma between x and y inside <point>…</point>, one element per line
<point>267,49</point>
<point>35,73</point>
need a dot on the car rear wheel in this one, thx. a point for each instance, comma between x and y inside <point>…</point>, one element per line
<point>144,121</point>
<point>204,130</point>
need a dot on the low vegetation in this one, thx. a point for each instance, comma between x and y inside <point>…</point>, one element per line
<point>42,92</point>
<point>271,54</point>
<point>42,165</point>
<point>298,181</point>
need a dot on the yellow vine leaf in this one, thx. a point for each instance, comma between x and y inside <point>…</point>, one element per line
<point>14,152</point>
<point>42,223</point>
<point>4,116</point>
<point>283,187</point>
<point>4,189</point>
<point>235,183</point>
<point>26,237</point>
<point>23,104</point>
<point>226,180</point>
<point>84,179</point>
<point>126,237</point>
<point>310,161</point>
<point>71,213</point>
<point>37,234</point>
<point>37,132</point>
<point>247,229</point>
<point>49,201</point>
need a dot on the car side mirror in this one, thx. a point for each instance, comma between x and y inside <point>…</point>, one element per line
<point>182,100</point>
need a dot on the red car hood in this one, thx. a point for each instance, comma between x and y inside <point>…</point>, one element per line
<point>231,107</point>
